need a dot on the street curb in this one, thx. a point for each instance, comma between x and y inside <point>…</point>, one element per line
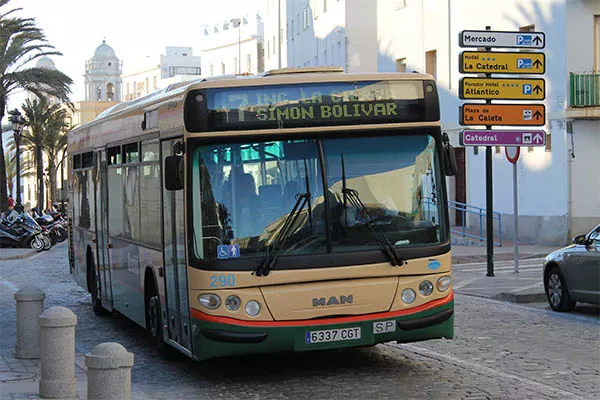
<point>520,298</point>
<point>19,256</point>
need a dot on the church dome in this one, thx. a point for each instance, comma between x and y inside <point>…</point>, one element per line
<point>104,52</point>
<point>45,62</point>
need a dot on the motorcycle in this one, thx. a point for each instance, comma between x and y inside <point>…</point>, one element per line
<point>23,231</point>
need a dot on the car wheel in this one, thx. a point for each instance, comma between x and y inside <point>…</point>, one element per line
<point>556,291</point>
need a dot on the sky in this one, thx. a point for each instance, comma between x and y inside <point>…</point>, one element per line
<point>135,29</point>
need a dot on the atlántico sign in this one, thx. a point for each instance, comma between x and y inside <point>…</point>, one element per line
<point>502,138</point>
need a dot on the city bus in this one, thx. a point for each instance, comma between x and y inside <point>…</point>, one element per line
<point>295,210</point>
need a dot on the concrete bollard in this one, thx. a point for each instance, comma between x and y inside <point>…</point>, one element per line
<point>30,304</point>
<point>58,353</point>
<point>109,372</point>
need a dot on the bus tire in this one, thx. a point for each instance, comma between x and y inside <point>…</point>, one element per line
<point>94,287</point>
<point>154,322</point>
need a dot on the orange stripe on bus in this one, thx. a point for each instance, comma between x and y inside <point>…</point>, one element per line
<point>326,321</point>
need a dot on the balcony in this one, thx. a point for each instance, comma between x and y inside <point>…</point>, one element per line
<point>584,95</point>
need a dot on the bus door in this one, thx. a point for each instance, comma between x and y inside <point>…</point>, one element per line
<point>102,230</point>
<point>175,271</point>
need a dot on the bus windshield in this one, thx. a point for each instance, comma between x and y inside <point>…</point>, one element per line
<point>356,188</point>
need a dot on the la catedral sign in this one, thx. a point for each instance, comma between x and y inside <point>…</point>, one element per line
<point>502,88</point>
<point>501,62</point>
<point>508,39</point>
<point>503,114</point>
<point>489,137</point>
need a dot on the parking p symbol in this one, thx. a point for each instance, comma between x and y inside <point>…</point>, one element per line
<point>527,89</point>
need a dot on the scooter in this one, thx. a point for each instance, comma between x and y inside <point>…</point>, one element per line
<point>22,232</point>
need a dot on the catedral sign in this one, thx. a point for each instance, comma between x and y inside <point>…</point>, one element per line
<point>501,62</point>
<point>502,88</point>
<point>502,138</point>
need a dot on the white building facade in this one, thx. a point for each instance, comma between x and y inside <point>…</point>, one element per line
<point>178,64</point>
<point>308,33</point>
<point>558,186</point>
<point>233,47</point>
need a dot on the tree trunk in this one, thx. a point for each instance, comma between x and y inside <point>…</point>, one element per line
<point>3,186</point>
<point>52,170</point>
<point>40,177</point>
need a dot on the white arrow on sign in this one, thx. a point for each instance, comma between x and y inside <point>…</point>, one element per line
<point>538,138</point>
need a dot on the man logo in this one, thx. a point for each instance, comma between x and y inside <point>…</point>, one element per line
<point>323,301</point>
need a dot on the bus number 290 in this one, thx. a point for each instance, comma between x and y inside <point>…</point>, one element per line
<point>222,280</point>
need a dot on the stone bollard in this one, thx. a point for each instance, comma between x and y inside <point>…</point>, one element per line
<point>57,378</point>
<point>109,372</point>
<point>30,304</point>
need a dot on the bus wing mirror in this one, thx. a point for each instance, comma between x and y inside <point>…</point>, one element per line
<point>174,172</point>
<point>448,156</point>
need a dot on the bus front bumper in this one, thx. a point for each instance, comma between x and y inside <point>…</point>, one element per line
<point>216,339</point>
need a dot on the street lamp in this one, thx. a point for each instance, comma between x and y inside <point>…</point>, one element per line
<point>238,22</point>
<point>18,123</point>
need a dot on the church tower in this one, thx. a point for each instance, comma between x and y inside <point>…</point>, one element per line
<point>103,75</point>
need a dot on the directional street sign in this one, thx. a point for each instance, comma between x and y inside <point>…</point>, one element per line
<point>502,138</point>
<point>502,88</point>
<point>501,62</point>
<point>503,114</point>
<point>513,40</point>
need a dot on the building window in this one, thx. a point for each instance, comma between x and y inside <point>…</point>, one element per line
<point>274,46</point>
<point>596,42</point>
<point>223,68</point>
<point>235,65</point>
<point>431,63</point>
<point>249,62</point>
<point>324,6</point>
<point>548,142</point>
<point>401,65</point>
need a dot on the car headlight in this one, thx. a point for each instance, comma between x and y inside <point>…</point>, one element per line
<point>443,283</point>
<point>252,308</point>
<point>232,303</point>
<point>426,288</point>
<point>210,300</point>
<point>408,296</point>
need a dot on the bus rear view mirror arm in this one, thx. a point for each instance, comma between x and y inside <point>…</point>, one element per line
<point>174,172</point>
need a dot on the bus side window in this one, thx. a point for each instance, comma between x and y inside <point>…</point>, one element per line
<point>174,172</point>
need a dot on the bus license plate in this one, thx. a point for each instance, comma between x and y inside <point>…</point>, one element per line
<point>332,335</point>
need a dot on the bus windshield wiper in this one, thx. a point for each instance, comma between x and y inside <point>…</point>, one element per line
<point>351,196</point>
<point>282,235</point>
<point>388,248</point>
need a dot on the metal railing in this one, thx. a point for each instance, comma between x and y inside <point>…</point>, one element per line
<point>473,227</point>
<point>584,89</point>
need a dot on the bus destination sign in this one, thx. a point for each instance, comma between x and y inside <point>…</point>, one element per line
<point>336,103</point>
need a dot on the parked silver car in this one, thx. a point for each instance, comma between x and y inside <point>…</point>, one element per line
<point>572,274</point>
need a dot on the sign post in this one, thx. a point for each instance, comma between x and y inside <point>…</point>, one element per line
<point>486,114</point>
<point>512,154</point>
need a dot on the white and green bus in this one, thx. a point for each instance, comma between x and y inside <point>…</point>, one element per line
<point>301,209</point>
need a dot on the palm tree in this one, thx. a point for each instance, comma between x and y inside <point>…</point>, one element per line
<point>20,43</point>
<point>39,116</point>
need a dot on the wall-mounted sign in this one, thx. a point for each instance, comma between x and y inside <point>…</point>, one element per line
<point>503,114</point>
<point>522,40</point>
<point>502,62</point>
<point>502,138</point>
<point>502,88</point>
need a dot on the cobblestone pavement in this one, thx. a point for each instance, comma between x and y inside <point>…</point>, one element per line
<point>500,351</point>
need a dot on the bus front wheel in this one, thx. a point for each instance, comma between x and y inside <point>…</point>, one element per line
<point>154,323</point>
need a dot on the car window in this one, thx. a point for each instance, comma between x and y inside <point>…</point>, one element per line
<point>595,236</point>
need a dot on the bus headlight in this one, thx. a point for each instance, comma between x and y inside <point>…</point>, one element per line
<point>443,283</point>
<point>210,301</point>
<point>232,303</point>
<point>426,288</point>
<point>408,296</point>
<point>252,308</point>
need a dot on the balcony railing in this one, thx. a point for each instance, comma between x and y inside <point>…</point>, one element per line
<point>584,89</point>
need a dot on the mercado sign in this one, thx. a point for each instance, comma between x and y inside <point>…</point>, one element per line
<point>508,39</point>
<point>503,114</point>
<point>502,138</point>
<point>502,88</point>
<point>501,62</point>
